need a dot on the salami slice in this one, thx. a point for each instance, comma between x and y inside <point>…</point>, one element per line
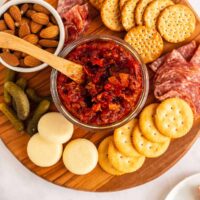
<point>171,58</point>
<point>187,51</point>
<point>178,79</point>
<point>157,63</point>
<point>196,58</point>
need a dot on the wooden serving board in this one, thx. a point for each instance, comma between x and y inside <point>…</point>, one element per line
<point>97,180</point>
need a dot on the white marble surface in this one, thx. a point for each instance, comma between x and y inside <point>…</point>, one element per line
<point>16,182</point>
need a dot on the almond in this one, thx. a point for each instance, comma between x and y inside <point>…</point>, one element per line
<point>18,54</point>
<point>9,58</point>
<point>53,20</point>
<point>49,32</point>
<point>3,26</point>
<point>50,24</point>
<point>50,50</point>
<point>48,43</point>
<point>9,31</point>
<point>40,18</point>
<point>21,63</point>
<point>15,13</point>
<point>31,61</point>
<point>24,30</point>
<point>9,21</point>
<point>35,27</point>
<point>24,8</point>
<point>25,20</point>
<point>29,13</point>
<point>32,38</point>
<point>39,8</point>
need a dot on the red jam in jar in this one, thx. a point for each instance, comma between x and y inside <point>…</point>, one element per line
<point>112,83</point>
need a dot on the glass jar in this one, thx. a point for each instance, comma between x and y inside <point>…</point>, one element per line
<point>145,83</point>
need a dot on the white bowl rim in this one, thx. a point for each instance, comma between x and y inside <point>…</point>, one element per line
<point>5,7</point>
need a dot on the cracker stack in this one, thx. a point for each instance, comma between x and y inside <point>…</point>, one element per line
<point>152,20</point>
<point>148,137</point>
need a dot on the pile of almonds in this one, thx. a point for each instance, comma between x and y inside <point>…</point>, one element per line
<point>33,23</point>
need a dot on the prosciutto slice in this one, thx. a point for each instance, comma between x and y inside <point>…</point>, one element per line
<point>75,15</point>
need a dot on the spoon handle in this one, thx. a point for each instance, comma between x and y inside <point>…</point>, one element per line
<point>70,69</point>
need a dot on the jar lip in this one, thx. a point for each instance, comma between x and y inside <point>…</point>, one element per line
<point>126,119</point>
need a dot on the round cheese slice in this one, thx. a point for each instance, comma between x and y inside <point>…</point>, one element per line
<point>80,156</point>
<point>42,152</point>
<point>54,127</point>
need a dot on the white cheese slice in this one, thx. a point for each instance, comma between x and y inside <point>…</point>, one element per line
<point>42,152</point>
<point>54,127</point>
<point>80,156</point>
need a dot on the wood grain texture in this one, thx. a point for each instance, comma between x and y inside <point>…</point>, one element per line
<point>97,180</point>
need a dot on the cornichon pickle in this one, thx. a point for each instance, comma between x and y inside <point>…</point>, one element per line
<point>10,76</point>
<point>9,113</point>
<point>22,83</point>
<point>39,111</point>
<point>32,95</point>
<point>20,98</point>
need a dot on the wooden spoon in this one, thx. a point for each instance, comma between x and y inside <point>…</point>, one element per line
<point>70,69</point>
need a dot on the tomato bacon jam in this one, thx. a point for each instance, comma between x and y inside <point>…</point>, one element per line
<point>112,83</point>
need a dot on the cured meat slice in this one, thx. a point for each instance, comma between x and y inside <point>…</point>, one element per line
<point>179,79</point>
<point>187,90</point>
<point>175,55</point>
<point>66,5</point>
<point>171,58</point>
<point>187,51</point>
<point>157,63</point>
<point>196,58</point>
<point>76,21</point>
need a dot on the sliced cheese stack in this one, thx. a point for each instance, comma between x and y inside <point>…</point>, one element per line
<point>45,148</point>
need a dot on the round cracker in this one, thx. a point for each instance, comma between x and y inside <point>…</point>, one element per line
<point>111,15</point>
<point>147,125</point>
<point>146,41</point>
<point>97,3</point>
<point>139,11</point>
<point>153,11</point>
<point>174,118</point>
<point>122,3</point>
<point>124,163</point>
<point>147,148</point>
<point>128,18</point>
<point>176,23</point>
<point>103,158</point>
<point>123,141</point>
